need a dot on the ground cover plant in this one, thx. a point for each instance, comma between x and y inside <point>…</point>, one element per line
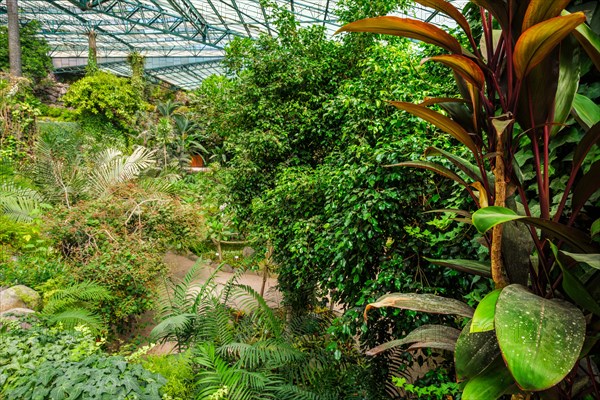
<point>533,178</point>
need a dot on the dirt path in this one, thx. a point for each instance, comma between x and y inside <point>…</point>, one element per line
<point>178,268</point>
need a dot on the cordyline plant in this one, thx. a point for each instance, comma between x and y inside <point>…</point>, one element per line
<point>536,334</point>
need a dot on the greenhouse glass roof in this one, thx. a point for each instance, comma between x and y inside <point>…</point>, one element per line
<point>183,40</point>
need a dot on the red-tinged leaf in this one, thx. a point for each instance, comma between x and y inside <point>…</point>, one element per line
<point>423,334</point>
<point>497,8</point>
<point>588,141</point>
<point>463,66</point>
<point>537,42</point>
<point>471,170</point>
<point>428,303</point>
<point>541,10</point>
<point>443,171</point>
<point>464,213</point>
<point>587,186</point>
<point>429,101</point>
<point>469,266</point>
<point>486,218</point>
<point>405,27</point>
<point>432,345</point>
<point>446,8</point>
<point>442,122</point>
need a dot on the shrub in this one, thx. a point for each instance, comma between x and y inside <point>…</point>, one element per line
<point>41,363</point>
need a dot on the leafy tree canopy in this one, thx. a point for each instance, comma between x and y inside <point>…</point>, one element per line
<point>36,61</point>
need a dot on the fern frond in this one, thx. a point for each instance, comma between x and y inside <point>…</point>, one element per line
<point>17,203</point>
<point>292,392</point>
<point>77,316</point>
<point>256,305</point>
<point>171,325</point>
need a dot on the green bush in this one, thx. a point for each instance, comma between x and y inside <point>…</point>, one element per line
<point>178,371</point>
<point>34,51</point>
<point>106,99</point>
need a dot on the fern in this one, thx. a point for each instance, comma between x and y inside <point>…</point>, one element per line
<point>74,305</point>
<point>19,204</point>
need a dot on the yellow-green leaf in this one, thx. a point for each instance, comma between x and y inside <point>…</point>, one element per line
<point>537,42</point>
<point>405,27</point>
<point>541,10</point>
<point>463,66</point>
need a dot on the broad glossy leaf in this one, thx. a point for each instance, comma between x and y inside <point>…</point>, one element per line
<point>463,66</point>
<point>441,121</point>
<point>474,352</point>
<point>441,170</point>
<point>588,141</point>
<point>494,382</point>
<point>471,170</point>
<point>586,110</point>
<point>405,27</point>
<point>425,333</point>
<point>469,266</point>
<point>540,339</point>
<point>587,186</point>
<point>541,10</point>
<point>483,319</point>
<point>445,7</point>
<point>537,42</point>
<point>428,303</point>
<point>486,218</point>
<point>568,82</point>
<point>593,260</point>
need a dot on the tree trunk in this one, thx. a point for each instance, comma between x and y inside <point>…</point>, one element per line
<point>92,65</point>
<point>14,42</point>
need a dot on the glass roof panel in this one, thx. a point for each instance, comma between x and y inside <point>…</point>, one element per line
<point>183,38</point>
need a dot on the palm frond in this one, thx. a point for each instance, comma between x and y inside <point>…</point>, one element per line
<point>112,168</point>
<point>250,300</point>
<point>17,203</point>
<point>170,326</point>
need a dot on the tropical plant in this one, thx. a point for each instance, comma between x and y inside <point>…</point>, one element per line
<point>36,62</point>
<point>76,305</point>
<point>518,89</point>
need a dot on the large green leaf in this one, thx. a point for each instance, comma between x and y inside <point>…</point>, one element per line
<point>469,266</point>
<point>405,27</point>
<point>474,352</point>
<point>445,336</point>
<point>587,111</point>
<point>483,319</point>
<point>429,303</point>
<point>540,339</point>
<point>595,228</point>
<point>537,42</point>
<point>494,382</point>
<point>488,217</point>
<point>441,121</point>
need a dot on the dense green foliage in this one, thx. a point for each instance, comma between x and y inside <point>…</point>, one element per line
<point>41,363</point>
<point>34,51</point>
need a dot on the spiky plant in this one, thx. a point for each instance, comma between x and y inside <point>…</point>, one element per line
<point>18,203</point>
<point>75,306</point>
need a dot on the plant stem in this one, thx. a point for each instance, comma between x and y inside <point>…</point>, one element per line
<point>497,267</point>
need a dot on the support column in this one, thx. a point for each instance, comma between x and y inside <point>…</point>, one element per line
<point>92,65</point>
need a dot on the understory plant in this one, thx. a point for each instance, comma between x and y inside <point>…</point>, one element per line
<point>532,171</point>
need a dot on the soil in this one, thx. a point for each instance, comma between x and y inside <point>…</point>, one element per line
<point>178,267</point>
